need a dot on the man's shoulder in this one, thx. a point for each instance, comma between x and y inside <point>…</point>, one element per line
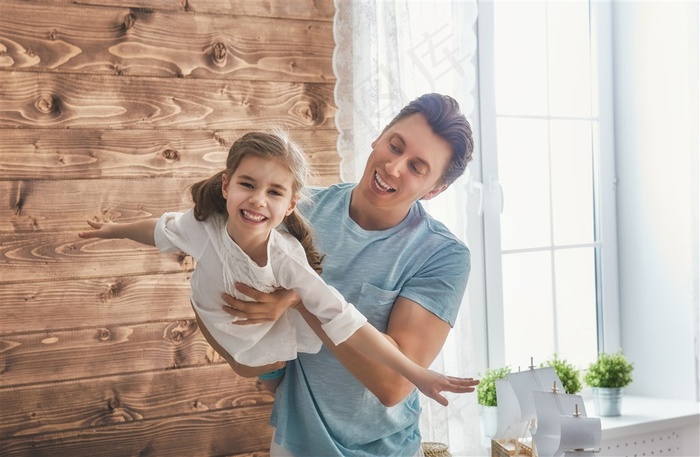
<point>333,189</point>
<point>439,233</point>
<point>323,199</point>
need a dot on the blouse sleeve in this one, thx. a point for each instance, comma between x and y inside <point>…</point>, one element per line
<point>339,319</point>
<point>180,232</point>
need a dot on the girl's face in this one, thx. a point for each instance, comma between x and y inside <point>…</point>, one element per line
<point>258,197</point>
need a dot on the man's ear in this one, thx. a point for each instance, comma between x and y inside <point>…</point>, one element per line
<point>435,192</point>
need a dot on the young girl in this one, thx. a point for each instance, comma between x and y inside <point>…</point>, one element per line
<point>233,229</point>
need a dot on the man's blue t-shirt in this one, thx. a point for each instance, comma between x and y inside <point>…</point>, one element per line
<point>320,408</point>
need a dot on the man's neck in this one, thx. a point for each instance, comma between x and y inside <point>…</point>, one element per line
<point>373,218</point>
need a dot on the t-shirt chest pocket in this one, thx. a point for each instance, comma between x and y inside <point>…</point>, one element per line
<point>375,304</point>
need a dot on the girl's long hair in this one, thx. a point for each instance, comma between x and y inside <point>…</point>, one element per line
<point>208,196</point>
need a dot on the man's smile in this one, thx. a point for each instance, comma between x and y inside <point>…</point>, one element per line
<point>381,184</point>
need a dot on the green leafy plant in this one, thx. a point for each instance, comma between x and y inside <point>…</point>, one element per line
<point>610,370</point>
<point>486,390</point>
<point>569,374</point>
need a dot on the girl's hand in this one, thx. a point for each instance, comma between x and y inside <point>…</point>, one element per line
<point>432,383</point>
<point>141,231</point>
<point>102,230</point>
<point>263,308</point>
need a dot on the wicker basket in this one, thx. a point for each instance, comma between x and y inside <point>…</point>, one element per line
<point>506,448</point>
<point>431,449</point>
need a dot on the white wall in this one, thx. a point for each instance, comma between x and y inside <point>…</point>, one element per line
<point>656,127</point>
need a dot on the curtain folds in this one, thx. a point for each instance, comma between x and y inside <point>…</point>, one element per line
<point>387,54</point>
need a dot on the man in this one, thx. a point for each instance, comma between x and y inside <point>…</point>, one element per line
<point>401,268</point>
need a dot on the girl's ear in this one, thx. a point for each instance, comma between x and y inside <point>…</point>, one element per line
<point>292,206</point>
<point>224,185</point>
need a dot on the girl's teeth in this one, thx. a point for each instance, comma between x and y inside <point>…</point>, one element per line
<point>252,217</point>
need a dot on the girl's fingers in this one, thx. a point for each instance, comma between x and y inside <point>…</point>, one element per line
<point>440,399</point>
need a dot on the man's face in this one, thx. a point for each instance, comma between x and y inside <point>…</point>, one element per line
<point>406,164</point>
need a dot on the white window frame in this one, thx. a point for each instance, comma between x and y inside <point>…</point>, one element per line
<point>486,279</point>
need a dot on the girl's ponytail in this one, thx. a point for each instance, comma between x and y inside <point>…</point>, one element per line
<point>208,197</point>
<point>301,230</point>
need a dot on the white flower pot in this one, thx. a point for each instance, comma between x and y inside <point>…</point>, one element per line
<point>489,420</point>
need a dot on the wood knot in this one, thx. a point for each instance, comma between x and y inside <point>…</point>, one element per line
<point>110,292</point>
<point>219,53</point>
<point>199,406</point>
<point>129,21</point>
<point>47,104</point>
<point>310,113</point>
<point>171,155</point>
<point>185,261</point>
<point>219,139</point>
<point>104,334</point>
<point>113,403</point>
<point>180,330</point>
<point>53,34</point>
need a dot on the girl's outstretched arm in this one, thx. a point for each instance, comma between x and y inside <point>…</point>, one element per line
<point>415,333</point>
<point>369,341</point>
<point>141,232</point>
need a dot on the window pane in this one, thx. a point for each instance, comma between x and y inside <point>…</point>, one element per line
<point>576,305</point>
<point>572,182</point>
<point>569,59</point>
<point>520,60</point>
<point>544,154</point>
<point>523,170</point>
<point>527,308</point>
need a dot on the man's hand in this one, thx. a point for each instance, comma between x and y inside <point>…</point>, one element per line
<point>263,308</point>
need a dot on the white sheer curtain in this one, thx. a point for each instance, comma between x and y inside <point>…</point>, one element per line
<point>387,54</point>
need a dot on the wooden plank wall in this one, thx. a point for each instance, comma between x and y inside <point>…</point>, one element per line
<point>109,109</point>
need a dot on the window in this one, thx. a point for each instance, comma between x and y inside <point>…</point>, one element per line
<point>547,171</point>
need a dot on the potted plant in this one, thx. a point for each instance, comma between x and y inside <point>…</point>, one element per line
<point>569,375</point>
<point>607,376</point>
<point>486,397</point>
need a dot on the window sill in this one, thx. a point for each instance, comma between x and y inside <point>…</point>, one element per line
<point>645,415</point>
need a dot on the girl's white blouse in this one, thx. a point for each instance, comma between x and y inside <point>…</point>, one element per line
<point>221,263</point>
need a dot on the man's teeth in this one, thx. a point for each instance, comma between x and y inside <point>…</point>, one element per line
<point>253,217</point>
<point>382,185</point>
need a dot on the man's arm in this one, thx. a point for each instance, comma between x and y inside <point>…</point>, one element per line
<point>415,331</point>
